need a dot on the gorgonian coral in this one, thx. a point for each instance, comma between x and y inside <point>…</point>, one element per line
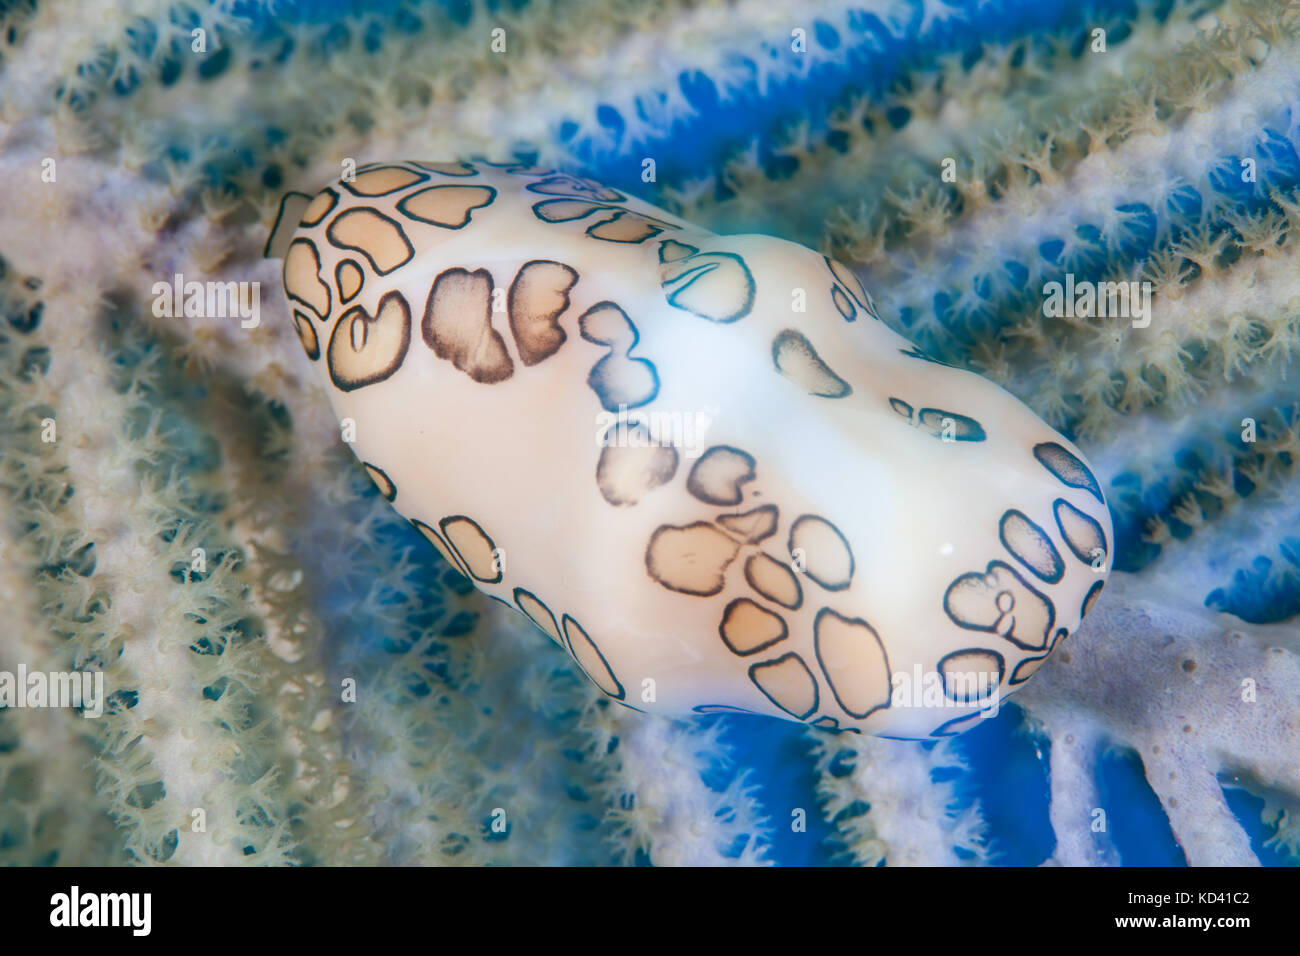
<point>138,150</point>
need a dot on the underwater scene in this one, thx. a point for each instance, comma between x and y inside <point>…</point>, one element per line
<point>609,432</point>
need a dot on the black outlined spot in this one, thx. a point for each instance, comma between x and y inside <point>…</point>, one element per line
<point>365,349</point>
<point>1082,533</point>
<point>302,324</point>
<point>618,378</point>
<point>748,627</point>
<point>382,181</point>
<point>751,526</point>
<point>591,660</point>
<point>971,675</point>
<point>797,360</point>
<point>691,559</point>
<point>537,612</point>
<point>448,206</point>
<point>381,480</point>
<point>1000,601</point>
<point>538,296</point>
<point>629,469</point>
<point>302,279</point>
<point>380,239</point>
<point>772,579</point>
<point>825,552</point>
<point>853,659</point>
<point>477,551</point>
<point>457,325</point>
<point>717,286</point>
<point>717,476</point>
<point>349,278</point>
<point>1067,468</point>
<point>788,683</point>
<point>1031,546</point>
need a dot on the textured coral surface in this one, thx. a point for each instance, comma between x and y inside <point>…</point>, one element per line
<point>135,148</point>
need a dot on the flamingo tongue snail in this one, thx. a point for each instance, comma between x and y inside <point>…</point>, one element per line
<point>699,463</point>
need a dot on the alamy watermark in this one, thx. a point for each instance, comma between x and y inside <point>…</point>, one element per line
<point>1085,300</point>
<point>952,688</point>
<point>82,690</point>
<point>133,911</point>
<point>215,300</point>
<point>657,429</point>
